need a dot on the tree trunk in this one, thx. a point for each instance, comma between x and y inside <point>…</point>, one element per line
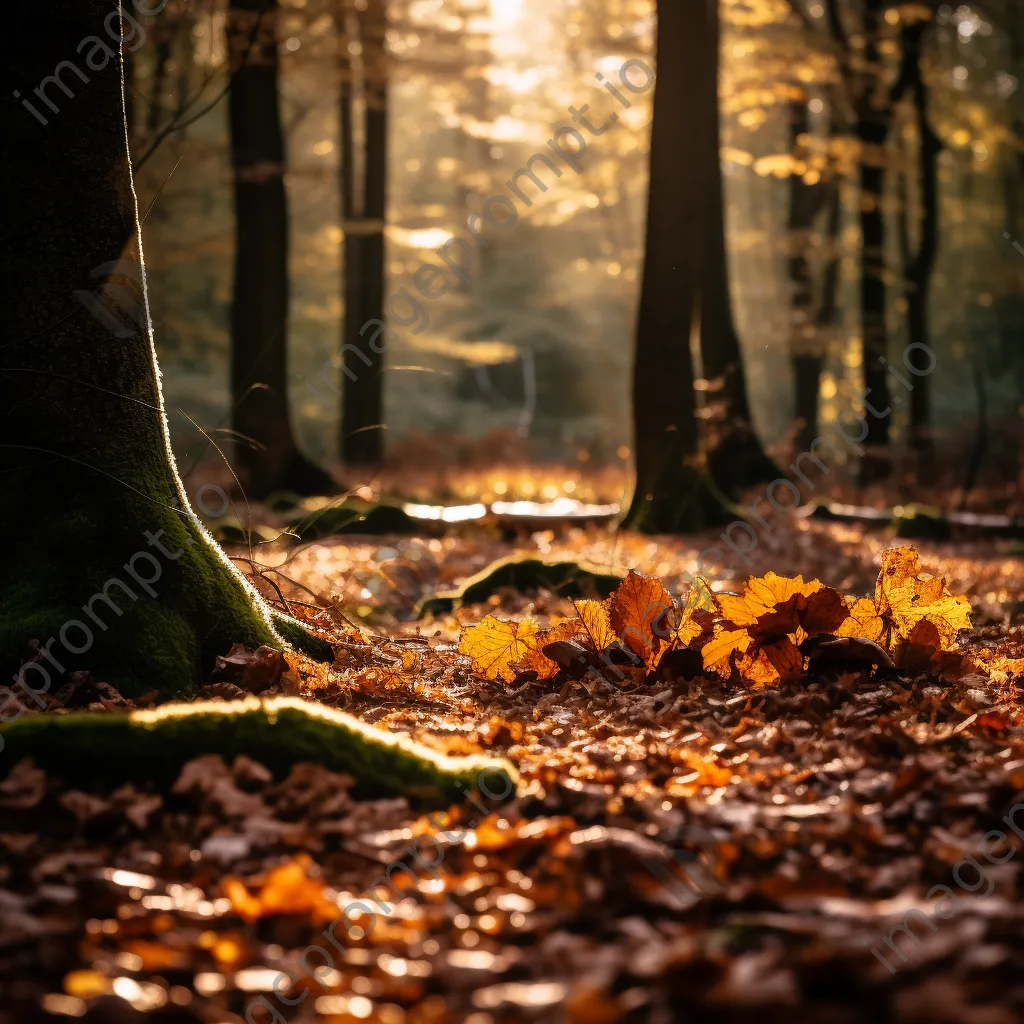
<point>736,459</point>
<point>918,270</point>
<point>161,57</point>
<point>364,185</point>
<point>874,120</point>
<point>673,492</point>
<point>267,452</point>
<point>111,571</point>
<point>805,345</point>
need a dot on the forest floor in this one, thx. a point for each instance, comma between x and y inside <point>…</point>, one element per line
<point>688,847</point>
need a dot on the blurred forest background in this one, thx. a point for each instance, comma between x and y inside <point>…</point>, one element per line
<point>531,359</point>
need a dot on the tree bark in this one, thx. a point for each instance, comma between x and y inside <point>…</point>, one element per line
<point>267,453</point>
<point>90,490</point>
<point>874,121</point>
<point>805,345</point>
<point>364,188</point>
<point>736,459</point>
<point>673,492</point>
<point>918,269</point>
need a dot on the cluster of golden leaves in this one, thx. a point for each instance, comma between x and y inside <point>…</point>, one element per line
<point>758,635</point>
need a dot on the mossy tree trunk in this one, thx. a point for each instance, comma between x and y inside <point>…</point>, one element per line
<point>673,491</point>
<point>363,191</point>
<point>267,452</point>
<point>92,501</point>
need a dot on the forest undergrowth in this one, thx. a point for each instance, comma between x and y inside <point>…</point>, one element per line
<point>781,791</point>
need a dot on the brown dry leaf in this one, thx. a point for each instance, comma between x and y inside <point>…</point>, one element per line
<point>596,623</point>
<point>288,889</point>
<point>637,611</point>
<point>496,646</point>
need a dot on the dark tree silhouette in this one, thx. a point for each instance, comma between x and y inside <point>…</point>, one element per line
<point>918,266</point>
<point>267,452</point>
<point>363,205</point>
<point>736,459</point>
<point>805,342</point>
<point>673,490</point>
<point>874,122</point>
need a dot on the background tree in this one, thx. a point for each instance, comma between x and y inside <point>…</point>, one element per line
<point>736,458</point>
<point>363,166</point>
<point>267,451</point>
<point>918,266</point>
<point>673,492</point>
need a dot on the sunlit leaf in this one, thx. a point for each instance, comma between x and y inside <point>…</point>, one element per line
<point>496,646</point>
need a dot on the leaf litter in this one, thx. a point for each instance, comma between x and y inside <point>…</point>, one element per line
<point>734,793</point>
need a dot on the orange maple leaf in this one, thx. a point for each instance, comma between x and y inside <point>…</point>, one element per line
<point>638,613</point>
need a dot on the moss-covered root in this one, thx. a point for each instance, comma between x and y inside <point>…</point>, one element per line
<point>569,579</point>
<point>277,732</point>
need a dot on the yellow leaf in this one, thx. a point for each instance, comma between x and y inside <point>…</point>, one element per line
<point>863,621</point>
<point>496,646</point>
<point>697,613</point>
<point>762,596</point>
<point>716,651</point>
<point>596,623</point>
<point>905,596</point>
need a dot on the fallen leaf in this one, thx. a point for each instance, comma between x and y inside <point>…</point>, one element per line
<point>637,612</point>
<point>496,646</point>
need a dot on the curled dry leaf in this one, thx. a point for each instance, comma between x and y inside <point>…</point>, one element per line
<point>766,624</point>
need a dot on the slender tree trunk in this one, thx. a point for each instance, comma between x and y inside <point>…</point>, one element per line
<point>805,345</point>
<point>673,493</point>
<point>267,452</point>
<point>874,120</point>
<point>918,270</point>
<point>90,491</point>
<point>161,57</point>
<point>736,459</point>
<point>363,211</point>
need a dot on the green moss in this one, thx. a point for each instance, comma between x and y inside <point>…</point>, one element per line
<point>569,579</point>
<point>153,745</point>
<point>919,522</point>
<point>297,636</point>
<point>354,516</point>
